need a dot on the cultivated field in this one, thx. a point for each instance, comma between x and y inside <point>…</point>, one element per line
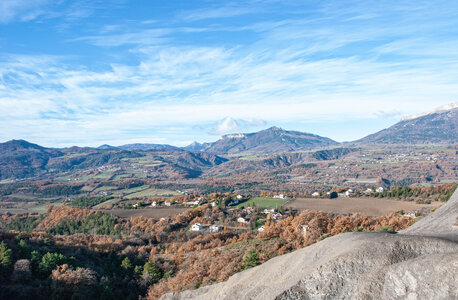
<point>264,202</point>
<point>363,205</point>
<point>145,212</point>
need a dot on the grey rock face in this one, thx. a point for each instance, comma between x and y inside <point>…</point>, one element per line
<point>418,263</point>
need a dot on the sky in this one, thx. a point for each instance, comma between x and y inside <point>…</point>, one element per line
<point>92,72</point>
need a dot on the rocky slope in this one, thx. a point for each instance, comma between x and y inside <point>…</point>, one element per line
<point>418,263</point>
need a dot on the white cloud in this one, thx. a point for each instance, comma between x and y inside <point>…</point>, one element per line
<point>226,125</point>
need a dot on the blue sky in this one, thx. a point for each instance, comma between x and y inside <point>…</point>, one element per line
<point>95,72</point>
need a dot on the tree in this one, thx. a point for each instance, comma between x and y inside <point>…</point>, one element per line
<point>333,195</point>
<point>151,272</point>
<point>251,259</point>
<point>5,255</point>
<point>50,261</point>
<point>24,249</point>
<point>126,265</point>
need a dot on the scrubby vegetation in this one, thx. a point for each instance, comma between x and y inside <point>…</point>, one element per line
<point>436,193</point>
<point>75,252</point>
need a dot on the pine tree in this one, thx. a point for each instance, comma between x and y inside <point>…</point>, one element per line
<point>151,272</point>
<point>5,255</point>
<point>251,259</point>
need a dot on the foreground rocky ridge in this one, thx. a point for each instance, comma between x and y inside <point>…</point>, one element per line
<point>420,262</point>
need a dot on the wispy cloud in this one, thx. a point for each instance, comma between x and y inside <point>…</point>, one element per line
<point>23,10</point>
<point>226,11</point>
<point>333,64</point>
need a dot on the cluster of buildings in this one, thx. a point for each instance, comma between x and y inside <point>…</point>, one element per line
<point>210,228</point>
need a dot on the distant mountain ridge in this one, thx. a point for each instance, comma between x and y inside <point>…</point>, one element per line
<point>437,127</point>
<point>20,159</point>
<point>268,141</point>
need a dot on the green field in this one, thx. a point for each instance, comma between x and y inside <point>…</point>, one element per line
<point>264,202</point>
<point>110,202</point>
<point>152,192</point>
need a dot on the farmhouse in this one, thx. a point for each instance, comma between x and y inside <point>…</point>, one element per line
<point>242,220</point>
<point>268,211</point>
<point>316,194</point>
<point>215,228</point>
<point>196,227</point>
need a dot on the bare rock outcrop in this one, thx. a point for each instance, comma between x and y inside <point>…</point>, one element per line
<point>420,262</point>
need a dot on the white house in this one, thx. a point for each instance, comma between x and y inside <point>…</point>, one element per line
<point>239,197</point>
<point>410,214</point>
<point>196,227</point>
<point>268,211</point>
<point>261,229</point>
<point>215,228</point>
<point>281,196</point>
<point>168,203</point>
<point>349,192</point>
<point>380,189</point>
<point>242,220</point>
<point>316,194</point>
<point>196,202</point>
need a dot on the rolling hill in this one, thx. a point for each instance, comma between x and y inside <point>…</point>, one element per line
<point>20,159</point>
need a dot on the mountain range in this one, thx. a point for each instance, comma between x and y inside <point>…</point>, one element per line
<point>435,127</point>
<point>280,148</point>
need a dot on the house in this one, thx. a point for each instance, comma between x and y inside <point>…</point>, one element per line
<point>196,227</point>
<point>268,211</point>
<point>135,205</point>
<point>380,189</point>
<point>242,220</point>
<point>215,228</point>
<point>168,203</point>
<point>349,192</point>
<point>276,216</point>
<point>248,210</point>
<point>261,229</point>
<point>410,214</point>
<point>281,196</point>
<point>316,194</point>
<point>239,197</point>
<point>191,203</point>
<point>154,204</point>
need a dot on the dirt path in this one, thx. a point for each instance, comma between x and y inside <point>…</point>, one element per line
<point>364,205</point>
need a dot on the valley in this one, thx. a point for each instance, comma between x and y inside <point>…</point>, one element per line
<point>148,219</point>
